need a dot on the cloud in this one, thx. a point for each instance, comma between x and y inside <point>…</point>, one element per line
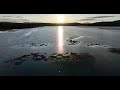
<point>19,17</point>
<point>101,16</point>
<point>13,19</point>
<point>87,19</point>
<point>94,18</point>
<point>6,16</point>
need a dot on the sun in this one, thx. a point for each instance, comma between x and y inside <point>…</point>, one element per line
<point>60,19</point>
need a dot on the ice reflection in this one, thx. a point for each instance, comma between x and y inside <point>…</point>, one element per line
<point>60,39</point>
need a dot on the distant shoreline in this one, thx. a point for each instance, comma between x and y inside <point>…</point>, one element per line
<point>5,26</point>
<point>99,27</point>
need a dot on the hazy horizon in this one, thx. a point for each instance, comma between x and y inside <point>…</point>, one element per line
<point>58,18</point>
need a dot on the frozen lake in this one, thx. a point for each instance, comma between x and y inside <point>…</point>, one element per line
<point>56,39</point>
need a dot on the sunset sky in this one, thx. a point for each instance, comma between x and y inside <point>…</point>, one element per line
<point>57,18</point>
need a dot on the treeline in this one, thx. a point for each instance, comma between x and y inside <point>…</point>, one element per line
<point>9,25</point>
<point>112,23</point>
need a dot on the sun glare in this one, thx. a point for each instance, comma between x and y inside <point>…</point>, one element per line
<point>60,19</point>
<point>60,39</point>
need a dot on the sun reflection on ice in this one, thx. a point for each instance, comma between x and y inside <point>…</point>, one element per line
<point>60,39</point>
